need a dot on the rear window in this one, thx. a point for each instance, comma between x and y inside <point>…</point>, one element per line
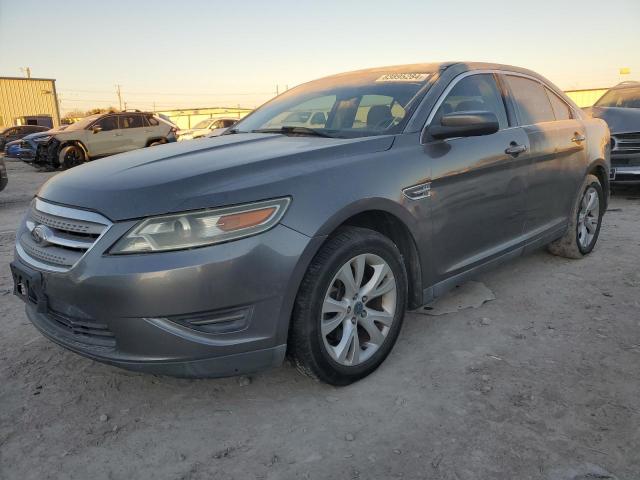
<point>531,100</point>
<point>560,109</point>
<point>131,121</point>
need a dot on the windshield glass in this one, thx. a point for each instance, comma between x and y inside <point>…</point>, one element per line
<point>373,102</point>
<point>203,124</point>
<point>621,97</point>
<point>83,122</point>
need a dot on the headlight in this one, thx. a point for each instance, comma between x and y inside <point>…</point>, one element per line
<point>202,227</point>
<point>43,139</point>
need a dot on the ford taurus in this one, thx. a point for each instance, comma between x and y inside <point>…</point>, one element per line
<point>218,257</point>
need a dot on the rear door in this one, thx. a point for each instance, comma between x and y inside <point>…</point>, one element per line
<point>477,186</point>
<point>133,130</point>
<point>557,153</point>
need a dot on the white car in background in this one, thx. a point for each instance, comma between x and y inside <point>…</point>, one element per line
<point>211,127</point>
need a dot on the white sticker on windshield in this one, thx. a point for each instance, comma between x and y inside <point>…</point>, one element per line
<point>403,77</point>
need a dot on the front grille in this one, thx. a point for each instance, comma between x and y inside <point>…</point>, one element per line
<point>86,331</point>
<point>56,238</point>
<point>625,143</point>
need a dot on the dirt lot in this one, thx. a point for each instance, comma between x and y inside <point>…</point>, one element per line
<point>541,383</point>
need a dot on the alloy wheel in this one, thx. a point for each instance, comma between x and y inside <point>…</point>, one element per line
<point>588,217</point>
<point>358,309</point>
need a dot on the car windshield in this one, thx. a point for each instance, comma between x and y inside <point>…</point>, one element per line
<point>203,124</point>
<point>373,102</point>
<point>83,122</point>
<point>621,97</point>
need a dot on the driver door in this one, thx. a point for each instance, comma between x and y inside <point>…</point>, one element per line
<point>478,189</point>
<point>105,141</point>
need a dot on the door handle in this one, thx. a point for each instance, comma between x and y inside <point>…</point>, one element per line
<point>515,149</point>
<point>578,137</point>
<point>117,134</point>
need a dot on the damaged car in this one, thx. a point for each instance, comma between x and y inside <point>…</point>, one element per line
<point>102,135</point>
<point>219,257</point>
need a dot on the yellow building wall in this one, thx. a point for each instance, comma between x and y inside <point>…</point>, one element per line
<point>20,97</point>
<point>586,98</point>
<point>188,118</point>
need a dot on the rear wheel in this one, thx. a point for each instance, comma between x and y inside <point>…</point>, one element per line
<point>157,142</point>
<point>350,307</point>
<point>585,222</point>
<point>71,156</point>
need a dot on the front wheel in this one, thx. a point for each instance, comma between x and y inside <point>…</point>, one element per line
<point>350,307</point>
<point>71,156</point>
<point>585,222</point>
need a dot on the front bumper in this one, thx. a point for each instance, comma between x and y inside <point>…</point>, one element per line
<point>625,175</point>
<point>208,312</point>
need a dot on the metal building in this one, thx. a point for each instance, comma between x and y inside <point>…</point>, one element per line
<point>28,101</point>
<point>586,97</point>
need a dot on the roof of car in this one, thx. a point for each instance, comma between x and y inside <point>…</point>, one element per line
<point>430,68</point>
<point>626,84</point>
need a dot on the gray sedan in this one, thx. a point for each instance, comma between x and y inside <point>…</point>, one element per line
<point>218,257</point>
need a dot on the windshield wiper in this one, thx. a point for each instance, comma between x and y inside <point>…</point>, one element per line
<point>294,131</point>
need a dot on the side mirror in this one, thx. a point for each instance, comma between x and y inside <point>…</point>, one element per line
<point>96,129</point>
<point>465,124</point>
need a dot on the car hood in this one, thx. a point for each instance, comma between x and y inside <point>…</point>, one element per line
<point>190,131</point>
<point>35,136</point>
<point>619,120</point>
<point>213,172</point>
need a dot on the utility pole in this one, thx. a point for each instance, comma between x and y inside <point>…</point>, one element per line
<point>119,96</point>
<point>277,91</point>
<point>26,70</point>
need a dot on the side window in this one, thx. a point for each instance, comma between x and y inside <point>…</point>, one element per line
<point>152,121</point>
<point>531,100</point>
<point>474,93</point>
<point>108,123</point>
<point>131,121</point>
<point>560,109</point>
<point>230,123</point>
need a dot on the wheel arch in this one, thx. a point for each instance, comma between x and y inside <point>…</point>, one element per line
<point>156,139</point>
<point>390,219</point>
<point>599,169</point>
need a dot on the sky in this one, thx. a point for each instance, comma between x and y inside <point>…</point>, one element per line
<point>188,54</point>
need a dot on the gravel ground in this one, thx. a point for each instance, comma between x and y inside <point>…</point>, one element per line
<point>540,383</point>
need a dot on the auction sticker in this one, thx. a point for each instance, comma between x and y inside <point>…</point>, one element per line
<point>403,77</point>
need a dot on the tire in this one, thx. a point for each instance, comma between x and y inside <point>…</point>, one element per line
<point>71,156</point>
<point>584,228</point>
<point>317,352</point>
